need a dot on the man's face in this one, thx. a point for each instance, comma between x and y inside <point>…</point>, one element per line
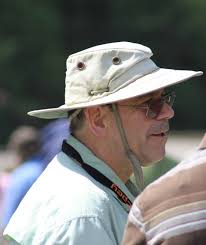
<point>146,136</point>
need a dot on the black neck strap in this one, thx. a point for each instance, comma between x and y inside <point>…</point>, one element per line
<point>71,152</point>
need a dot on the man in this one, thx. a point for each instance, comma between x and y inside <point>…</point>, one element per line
<point>172,210</point>
<point>119,113</point>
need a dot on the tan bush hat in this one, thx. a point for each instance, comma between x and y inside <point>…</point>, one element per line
<point>109,73</point>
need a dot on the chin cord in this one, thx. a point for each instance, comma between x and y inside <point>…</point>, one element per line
<point>138,174</point>
<point>74,114</point>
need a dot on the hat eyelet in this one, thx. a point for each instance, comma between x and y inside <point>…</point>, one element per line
<point>116,60</point>
<point>81,66</point>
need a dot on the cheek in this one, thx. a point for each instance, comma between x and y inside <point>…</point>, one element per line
<point>152,151</point>
<point>136,130</point>
<point>147,148</point>
<point>113,135</point>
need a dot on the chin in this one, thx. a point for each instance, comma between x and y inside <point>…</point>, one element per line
<point>153,159</point>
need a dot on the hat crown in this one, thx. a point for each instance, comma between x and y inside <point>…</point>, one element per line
<point>97,71</point>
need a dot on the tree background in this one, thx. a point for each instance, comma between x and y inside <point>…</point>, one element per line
<point>36,37</point>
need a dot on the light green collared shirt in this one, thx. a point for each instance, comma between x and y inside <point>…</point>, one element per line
<point>67,206</point>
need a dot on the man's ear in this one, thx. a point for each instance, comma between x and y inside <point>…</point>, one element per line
<point>96,119</point>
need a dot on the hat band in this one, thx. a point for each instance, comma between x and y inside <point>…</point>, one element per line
<point>139,70</point>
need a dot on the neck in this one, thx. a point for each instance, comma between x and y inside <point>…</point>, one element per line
<point>112,155</point>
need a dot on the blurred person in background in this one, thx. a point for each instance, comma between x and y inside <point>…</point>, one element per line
<point>32,150</point>
<point>25,141</point>
<point>8,162</point>
<point>52,136</point>
<point>172,209</point>
<point>35,149</point>
<point>119,111</point>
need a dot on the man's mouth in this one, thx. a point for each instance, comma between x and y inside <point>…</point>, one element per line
<point>161,130</point>
<point>162,134</point>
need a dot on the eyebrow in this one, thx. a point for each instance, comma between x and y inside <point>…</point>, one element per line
<point>149,97</point>
<point>144,100</point>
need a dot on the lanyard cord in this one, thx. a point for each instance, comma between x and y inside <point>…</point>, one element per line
<point>71,152</point>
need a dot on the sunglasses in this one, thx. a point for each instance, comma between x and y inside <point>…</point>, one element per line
<point>154,107</point>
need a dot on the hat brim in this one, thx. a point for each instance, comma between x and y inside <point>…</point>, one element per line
<point>159,79</point>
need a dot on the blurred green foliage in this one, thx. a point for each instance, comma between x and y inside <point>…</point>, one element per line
<point>156,170</point>
<point>37,36</point>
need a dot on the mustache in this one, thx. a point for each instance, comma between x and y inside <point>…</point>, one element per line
<point>159,128</point>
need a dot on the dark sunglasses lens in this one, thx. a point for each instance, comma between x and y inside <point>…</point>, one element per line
<point>156,106</point>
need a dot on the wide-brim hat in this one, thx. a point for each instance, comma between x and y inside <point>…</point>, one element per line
<point>110,73</point>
